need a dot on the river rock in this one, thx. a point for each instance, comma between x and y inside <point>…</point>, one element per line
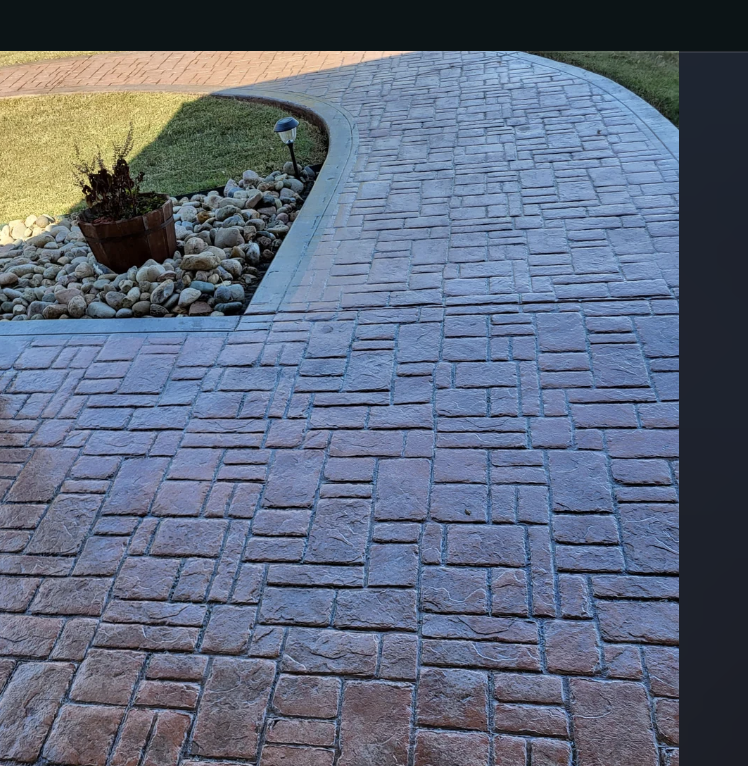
<point>250,178</point>
<point>200,262</point>
<point>228,237</point>
<point>233,267</point>
<point>66,295</point>
<point>36,307</point>
<point>200,309</point>
<point>40,240</point>
<point>188,296</point>
<point>253,199</point>
<point>203,287</point>
<point>223,294</point>
<point>294,185</point>
<point>163,292</point>
<point>214,201</point>
<point>141,308</point>
<point>194,245</point>
<point>99,310</point>
<point>22,269</point>
<point>234,220</point>
<point>237,293</point>
<point>149,273</point>
<point>230,294</point>
<point>8,279</point>
<point>17,229</point>
<point>226,212</point>
<point>223,239</point>
<point>115,300</point>
<point>83,270</point>
<point>188,213</point>
<point>55,311</point>
<point>77,306</point>
<point>229,308</point>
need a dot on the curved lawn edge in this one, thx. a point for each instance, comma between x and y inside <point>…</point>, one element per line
<point>286,270</point>
<point>658,125</point>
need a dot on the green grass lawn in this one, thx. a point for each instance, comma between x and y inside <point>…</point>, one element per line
<point>183,143</point>
<point>653,75</point>
<point>11,58</point>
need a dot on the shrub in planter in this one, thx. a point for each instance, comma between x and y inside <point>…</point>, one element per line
<point>123,226</point>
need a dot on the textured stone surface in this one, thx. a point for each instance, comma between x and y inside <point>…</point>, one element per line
<point>402,490</point>
<point>579,481</point>
<point>649,622</point>
<point>452,699</point>
<point>426,512</point>
<point>328,651</point>
<point>387,609</point>
<point>551,752</point>
<point>232,708</point>
<point>27,636</point>
<point>668,720</point>
<point>73,595</point>
<point>107,676</point>
<point>374,724</point>
<point>435,748</point>
<point>312,696</point>
<point>611,723</point>
<point>571,647</point>
<point>662,666</point>
<point>28,707</point>
<point>82,735</point>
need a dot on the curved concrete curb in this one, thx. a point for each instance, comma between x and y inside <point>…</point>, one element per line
<point>657,124</point>
<point>287,269</point>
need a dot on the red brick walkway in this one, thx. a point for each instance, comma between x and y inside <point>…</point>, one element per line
<point>427,514</point>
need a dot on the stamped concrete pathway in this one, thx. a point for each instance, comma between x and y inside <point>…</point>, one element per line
<point>424,515</point>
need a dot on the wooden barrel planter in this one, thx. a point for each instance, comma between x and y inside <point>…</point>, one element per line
<point>131,242</point>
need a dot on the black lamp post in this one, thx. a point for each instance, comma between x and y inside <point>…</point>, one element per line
<point>286,130</point>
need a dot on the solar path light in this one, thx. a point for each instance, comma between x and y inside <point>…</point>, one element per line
<point>286,130</point>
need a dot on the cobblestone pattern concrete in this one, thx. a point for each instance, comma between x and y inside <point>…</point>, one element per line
<point>426,514</point>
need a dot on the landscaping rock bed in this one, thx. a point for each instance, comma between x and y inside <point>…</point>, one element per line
<point>225,241</point>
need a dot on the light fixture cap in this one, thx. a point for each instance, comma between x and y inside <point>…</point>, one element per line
<point>286,129</point>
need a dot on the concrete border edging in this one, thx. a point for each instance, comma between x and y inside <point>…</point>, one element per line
<point>286,269</point>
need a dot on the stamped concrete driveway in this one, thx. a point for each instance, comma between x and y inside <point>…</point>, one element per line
<point>425,514</point>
